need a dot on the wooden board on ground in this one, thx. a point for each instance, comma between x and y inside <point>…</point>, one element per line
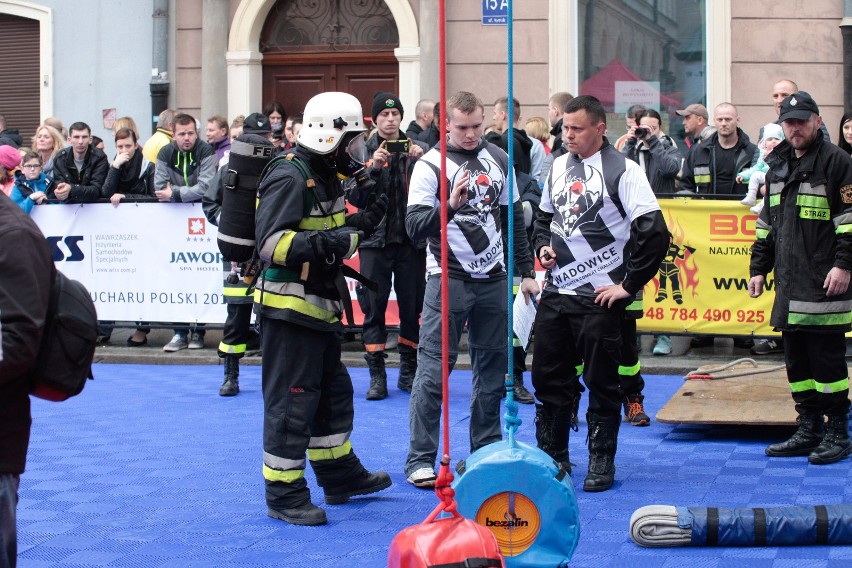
<point>754,398</point>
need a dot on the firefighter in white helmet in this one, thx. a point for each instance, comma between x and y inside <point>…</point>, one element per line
<point>303,235</point>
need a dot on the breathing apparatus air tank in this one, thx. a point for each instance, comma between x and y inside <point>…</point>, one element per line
<point>236,224</point>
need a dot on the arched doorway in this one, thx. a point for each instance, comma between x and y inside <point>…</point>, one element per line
<point>246,62</point>
<point>312,46</point>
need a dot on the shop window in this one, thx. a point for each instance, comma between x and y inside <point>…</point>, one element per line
<point>650,52</point>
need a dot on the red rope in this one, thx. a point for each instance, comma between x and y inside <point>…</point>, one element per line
<point>445,474</point>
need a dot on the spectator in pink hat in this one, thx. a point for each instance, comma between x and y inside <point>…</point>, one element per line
<point>10,158</point>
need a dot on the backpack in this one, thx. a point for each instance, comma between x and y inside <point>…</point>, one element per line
<point>68,344</point>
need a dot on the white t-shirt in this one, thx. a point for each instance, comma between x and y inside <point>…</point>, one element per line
<point>474,236</point>
<point>590,227</point>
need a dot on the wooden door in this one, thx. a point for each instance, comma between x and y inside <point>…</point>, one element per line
<point>293,82</point>
<point>314,46</point>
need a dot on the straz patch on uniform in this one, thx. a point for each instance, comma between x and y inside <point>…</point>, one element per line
<point>846,193</point>
<point>814,213</point>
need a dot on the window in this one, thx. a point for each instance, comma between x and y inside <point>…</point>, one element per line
<point>651,52</point>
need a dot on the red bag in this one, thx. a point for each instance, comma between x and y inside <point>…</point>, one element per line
<point>453,542</point>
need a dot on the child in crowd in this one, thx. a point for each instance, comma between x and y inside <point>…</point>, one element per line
<point>31,185</point>
<point>756,174</point>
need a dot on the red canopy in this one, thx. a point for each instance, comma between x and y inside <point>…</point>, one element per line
<point>601,85</point>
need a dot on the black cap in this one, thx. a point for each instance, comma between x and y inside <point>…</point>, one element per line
<point>799,106</point>
<point>256,123</point>
<point>385,100</point>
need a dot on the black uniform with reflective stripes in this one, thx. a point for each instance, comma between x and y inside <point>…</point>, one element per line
<point>805,230</point>
<point>307,391</point>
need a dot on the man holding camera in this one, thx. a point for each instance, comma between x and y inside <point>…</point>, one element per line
<point>390,255</point>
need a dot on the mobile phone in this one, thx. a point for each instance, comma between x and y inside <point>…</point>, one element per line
<point>397,146</point>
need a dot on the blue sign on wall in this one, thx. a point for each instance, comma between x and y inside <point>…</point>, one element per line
<point>495,12</point>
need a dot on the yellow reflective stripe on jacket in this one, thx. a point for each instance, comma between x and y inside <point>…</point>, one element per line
<point>234,290</point>
<point>282,247</point>
<point>814,385</point>
<point>842,223</point>
<point>761,233</point>
<point>324,222</point>
<point>820,313</point>
<point>794,318</point>
<point>310,305</point>
<point>805,200</point>
<point>325,215</point>
<point>701,174</point>
<point>320,454</point>
<point>774,200</point>
<point>267,247</point>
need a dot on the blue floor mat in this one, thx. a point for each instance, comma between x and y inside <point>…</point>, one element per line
<point>149,467</point>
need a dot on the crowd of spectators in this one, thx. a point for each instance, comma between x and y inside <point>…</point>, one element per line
<point>59,165</point>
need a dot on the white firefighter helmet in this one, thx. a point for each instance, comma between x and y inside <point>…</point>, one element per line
<point>328,116</point>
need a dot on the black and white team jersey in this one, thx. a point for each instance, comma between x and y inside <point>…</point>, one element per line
<point>474,238</point>
<point>593,202</point>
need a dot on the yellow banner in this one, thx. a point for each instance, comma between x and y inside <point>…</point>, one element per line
<point>702,284</point>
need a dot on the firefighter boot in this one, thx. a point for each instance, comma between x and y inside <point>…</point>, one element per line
<point>306,514</point>
<point>291,502</point>
<point>378,377</point>
<point>805,440</point>
<point>835,444</point>
<point>522,395</point>
<point>407,367</point>
<point>345,477</point>
<point>552,426</point>
<point>603,442</point>
<point>231,386</point>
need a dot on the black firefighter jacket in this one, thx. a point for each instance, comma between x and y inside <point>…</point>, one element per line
<point>804,230</point>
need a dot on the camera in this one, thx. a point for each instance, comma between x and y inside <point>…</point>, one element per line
<point>397,146</point>
<point>641,132</point>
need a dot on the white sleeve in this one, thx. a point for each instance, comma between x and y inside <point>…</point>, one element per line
<point>516,191</point>
<point>635,192</point>
<point>423,186</point>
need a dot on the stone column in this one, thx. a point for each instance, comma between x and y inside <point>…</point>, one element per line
<point>214,44</point>
<point>429,51</point>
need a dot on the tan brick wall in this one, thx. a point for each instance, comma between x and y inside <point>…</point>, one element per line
<point>477,54</point>
<point>187,57</point>
<point>798,40</point>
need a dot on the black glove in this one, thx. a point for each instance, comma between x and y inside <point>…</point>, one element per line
<point>335,245</point>
<point>372,215</point>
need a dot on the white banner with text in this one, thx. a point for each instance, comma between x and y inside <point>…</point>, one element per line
<point>150,262</point>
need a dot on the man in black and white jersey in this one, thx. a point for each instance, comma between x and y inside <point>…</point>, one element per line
<point>478,208</point>
<point>601,237</point>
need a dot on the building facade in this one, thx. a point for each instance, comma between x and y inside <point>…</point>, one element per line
<point>231,57</point>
